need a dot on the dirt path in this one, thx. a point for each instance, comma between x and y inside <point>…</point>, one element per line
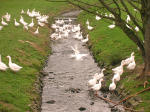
<point>65,88</point>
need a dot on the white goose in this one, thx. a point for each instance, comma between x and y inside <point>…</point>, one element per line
<point>97,87</point>
<point>92,82</point>
<point>106,15</point>
<point>119,69</point>
<point>58,37</point>
<point>136,29</point>
<point>16,23</point>
<point>14,67</point>
<point>112,26</point>
<point>41,24</point>
<point>97,17</point>
<point>76,34</point>
<point>3,22</point>
<point>65,34</point>
<point>101,75</point>
<point>3,66</point>
<point>70,20</point>
<point>131,66</point>
<point>111,15</point>
<point>76,28</point>
<point>116,77</point>
<point>89,27</point>
<point>31,24</point>
<point>129,60</point>
<point>75,49</point>
<point>22,21</point>
<point>54,26</point>
<point>87,22</point>
<point>28,11</point>
<point>86,39</point>
<point>37,31</point>
<point>25,27</point>
<point>7,17</point>
<point>112,86</point>
<point>1,27</point>
<point>128,26</point>
<point>22,11</point>
<point>54,35</point>
<point>128,19</point>
<point>78,56</point>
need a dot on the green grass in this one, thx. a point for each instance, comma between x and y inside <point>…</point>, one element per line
<point>17,90</point>
<point>109,47</point>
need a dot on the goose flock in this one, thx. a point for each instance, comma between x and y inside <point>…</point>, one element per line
<point>95,82</point>
<point>64,29</point>
<point>98,77</point>
<point>112,26</point>
<point>118,71</point>
<point>41,21</point>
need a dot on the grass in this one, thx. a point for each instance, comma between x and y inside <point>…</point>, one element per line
<point>109,47</point>
<point>17,90</point>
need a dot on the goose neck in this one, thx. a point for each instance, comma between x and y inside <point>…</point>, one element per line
<point>9,60</point>
<point>103,70</point>
<point>0,59</point>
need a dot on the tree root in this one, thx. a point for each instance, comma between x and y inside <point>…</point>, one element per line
<point>132,96</point>
<point>108,100</point>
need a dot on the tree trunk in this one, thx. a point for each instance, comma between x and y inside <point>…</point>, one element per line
<point>146,25</point>
<point>147,48</point>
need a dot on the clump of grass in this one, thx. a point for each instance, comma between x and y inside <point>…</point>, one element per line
<point>115,59</point>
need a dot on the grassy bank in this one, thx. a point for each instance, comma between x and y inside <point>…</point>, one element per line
<point>17,90</point>
<point>109,47</point>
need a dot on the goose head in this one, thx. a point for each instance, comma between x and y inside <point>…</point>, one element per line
<point>132,53</point>
<point>8,56</point>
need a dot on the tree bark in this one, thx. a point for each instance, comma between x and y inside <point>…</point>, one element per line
<point>147,48</point>
<point>146,24</point>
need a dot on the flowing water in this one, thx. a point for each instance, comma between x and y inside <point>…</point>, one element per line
<point>65,88</point>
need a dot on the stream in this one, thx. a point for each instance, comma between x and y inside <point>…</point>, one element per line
<point>65,87</point>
